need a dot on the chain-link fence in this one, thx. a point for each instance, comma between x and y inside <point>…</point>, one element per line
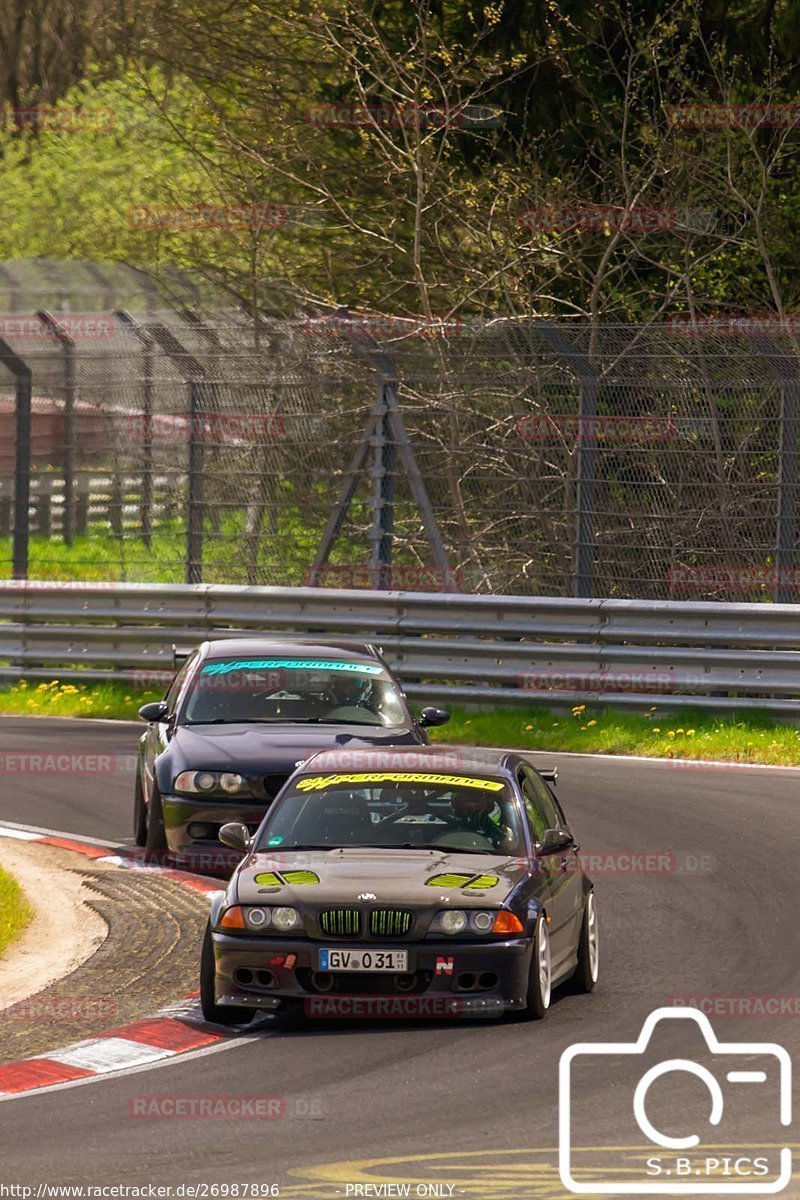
<point>519,457</point>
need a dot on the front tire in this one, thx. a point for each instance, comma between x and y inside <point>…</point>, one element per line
<point>587,970</point>
<point>540,979</point>
<point>218,1013</point>
<point>139,811</point>
<point>156,838</point>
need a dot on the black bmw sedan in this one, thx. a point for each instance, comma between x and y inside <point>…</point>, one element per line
<point>237,720</point>
<point>453,888</point>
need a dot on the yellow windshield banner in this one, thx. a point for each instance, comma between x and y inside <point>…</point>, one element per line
<point>315,783</point>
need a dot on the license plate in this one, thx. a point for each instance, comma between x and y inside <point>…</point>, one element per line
<point>363,960</point>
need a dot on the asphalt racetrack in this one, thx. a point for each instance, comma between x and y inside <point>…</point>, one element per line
<point>470,1109</point>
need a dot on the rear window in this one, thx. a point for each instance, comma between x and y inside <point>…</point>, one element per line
<point>395,810</point>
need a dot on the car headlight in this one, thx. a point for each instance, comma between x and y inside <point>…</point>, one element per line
<point>455,920</point>
<point>208,782</point>
<point>452,920</point>
<point>257,918</point>
<point>285,919</point>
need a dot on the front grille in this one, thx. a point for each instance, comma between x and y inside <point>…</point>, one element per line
<point>340,922</point>
<point>273,784</point>
<point>390,922</point>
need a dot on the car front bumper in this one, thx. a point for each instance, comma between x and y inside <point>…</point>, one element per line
<point>449,978</point>
<point>191,825</point>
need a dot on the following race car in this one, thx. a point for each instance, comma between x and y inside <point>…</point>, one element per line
<point>458,886</point>
<point>239,717</point>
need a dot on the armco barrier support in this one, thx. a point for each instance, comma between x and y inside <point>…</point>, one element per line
<point>486,649</point>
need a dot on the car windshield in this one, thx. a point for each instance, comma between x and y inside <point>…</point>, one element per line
<point>395,811</point>
<point>293,690</point>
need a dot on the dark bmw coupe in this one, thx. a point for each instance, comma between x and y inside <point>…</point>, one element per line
<point>454,888</point>
<point>238,719</point>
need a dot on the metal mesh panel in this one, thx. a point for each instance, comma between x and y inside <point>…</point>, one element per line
<point>556,459</point>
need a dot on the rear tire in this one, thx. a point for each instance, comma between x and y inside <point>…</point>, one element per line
<point>540,979</point>
<point>220,1014</point>
<point>139,811</point>
<point>587,970</point>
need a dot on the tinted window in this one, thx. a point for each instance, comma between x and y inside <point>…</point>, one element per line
<point>328,692</point>
<point>174,689</point>
<point>395,810</point>
<point>539,804</point>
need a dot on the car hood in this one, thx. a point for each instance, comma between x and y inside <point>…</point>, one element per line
<point>258,748</point>
<point>396,877</point>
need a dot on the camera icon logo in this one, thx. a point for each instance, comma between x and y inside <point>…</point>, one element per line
<point>688,1164</point>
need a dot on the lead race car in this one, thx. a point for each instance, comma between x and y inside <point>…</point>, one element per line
<point>459,884</point>
<point>239,717</point>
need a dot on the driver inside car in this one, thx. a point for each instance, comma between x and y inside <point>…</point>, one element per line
<point>475,813</point>
<point>349,700</point>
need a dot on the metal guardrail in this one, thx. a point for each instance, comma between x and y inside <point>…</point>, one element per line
<point>481,649</point>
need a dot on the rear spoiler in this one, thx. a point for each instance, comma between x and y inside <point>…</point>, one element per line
<point>180,654</point>
<point>550,774</point>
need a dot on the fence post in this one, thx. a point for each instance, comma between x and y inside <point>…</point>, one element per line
<point>146,501</point>
<point>22,463</point>
<point>194,499</point>
<point>70,392</point>
<point>382,532</point>
<point>785,532</point>
<point>577,361</point>
<point>587,469</point>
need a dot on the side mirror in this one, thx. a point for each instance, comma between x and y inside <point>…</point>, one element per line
<point>156,710</point>
<point>553,842</point>
<point>433,716</point>
<point>235,835</point>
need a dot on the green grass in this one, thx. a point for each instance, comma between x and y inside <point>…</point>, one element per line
<point>745,737</point>
<point>54,699</point>
<point>15,912</point>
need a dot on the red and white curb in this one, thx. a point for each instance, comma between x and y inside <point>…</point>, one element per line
<point>173,1031</point>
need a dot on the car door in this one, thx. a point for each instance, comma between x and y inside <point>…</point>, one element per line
<point>561,871</point>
